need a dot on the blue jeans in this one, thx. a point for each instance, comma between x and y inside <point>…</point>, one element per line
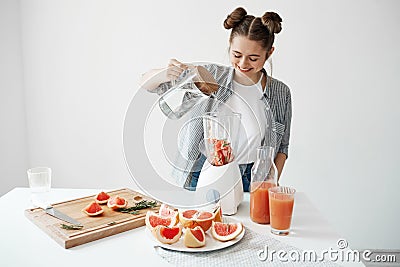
<point>245,171</point>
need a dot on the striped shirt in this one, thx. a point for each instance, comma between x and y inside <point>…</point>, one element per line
<point>278,111</point>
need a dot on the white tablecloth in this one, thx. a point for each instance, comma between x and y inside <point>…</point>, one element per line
<point>23,244</point>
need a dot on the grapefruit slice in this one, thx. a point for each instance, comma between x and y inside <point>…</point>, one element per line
<point>153,219</point>
<point>167,211</point>
<point>167,235</point>
<point>226,231</point>
<point>194,238</point>
<point>93,209</point>
<point>117,202</point>
<point>102,198</point>
<point>218,214</point>
<point>193,218</point>
<point>137,198</point>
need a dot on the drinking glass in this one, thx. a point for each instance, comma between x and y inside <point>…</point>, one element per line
<point>39,179</point>
<point>281,202</point>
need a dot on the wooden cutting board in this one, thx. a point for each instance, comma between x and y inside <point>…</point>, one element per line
<point>94,228</point>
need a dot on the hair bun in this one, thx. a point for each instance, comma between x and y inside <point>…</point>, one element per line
<point>235,18</point>
<point>272,21</point>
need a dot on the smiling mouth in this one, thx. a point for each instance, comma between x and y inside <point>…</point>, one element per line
<point>244,69</point>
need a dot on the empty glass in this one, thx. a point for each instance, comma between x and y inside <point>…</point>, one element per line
<point>39,179</point>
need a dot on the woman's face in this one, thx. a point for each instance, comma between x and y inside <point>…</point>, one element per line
<point>247,57</point>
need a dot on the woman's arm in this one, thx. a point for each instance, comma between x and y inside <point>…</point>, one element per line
<point>153,78</point>
<point>283,150</point>
<point>280,162</point>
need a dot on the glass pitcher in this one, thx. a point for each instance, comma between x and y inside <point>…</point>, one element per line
<point>220,137</point>
<point>193,86</point>
<point>264,175</point>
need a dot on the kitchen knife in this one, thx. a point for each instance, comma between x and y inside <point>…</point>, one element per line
<point>54,212</point>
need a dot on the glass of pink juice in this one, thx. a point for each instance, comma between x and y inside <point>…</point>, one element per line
<point>281,201</point>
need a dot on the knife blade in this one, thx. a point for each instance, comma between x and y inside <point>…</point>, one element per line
<point>49,209</point>
<point>59,215</point>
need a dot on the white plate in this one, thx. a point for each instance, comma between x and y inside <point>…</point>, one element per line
<point>211,243</point>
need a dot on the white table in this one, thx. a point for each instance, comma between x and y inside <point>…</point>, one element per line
<point>23,244</point>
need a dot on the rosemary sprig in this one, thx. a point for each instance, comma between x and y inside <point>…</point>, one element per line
<point>144,204</point>
<point>71,226</point>
<point>134,212</point>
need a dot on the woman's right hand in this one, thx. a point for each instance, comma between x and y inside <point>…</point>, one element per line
<point>175,69</point>
<point>153,78</point>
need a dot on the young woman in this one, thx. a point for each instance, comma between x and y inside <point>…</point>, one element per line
<point>251,44</point>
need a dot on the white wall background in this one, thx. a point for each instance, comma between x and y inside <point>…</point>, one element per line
<point>13,142</point>
<point>81,61</point>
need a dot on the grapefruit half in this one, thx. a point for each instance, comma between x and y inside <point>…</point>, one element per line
<point>153,219</point>
<point>226,231</point>
<point>117,202</point>
<point>193,218</point>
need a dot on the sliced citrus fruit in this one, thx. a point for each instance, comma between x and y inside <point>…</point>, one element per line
<point>168,211</point>
<point>93,209</point>
<point>226,231</point>
<point>102,197</point>
<point>167,235</point>
<point>153,219</point>
<point>117,202</point>
<point>193,218</point>
<point>137,198</point>
<point>218,214</point>
<point>194,238</point>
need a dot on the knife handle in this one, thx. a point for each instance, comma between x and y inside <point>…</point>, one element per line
<point>36,201</point>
